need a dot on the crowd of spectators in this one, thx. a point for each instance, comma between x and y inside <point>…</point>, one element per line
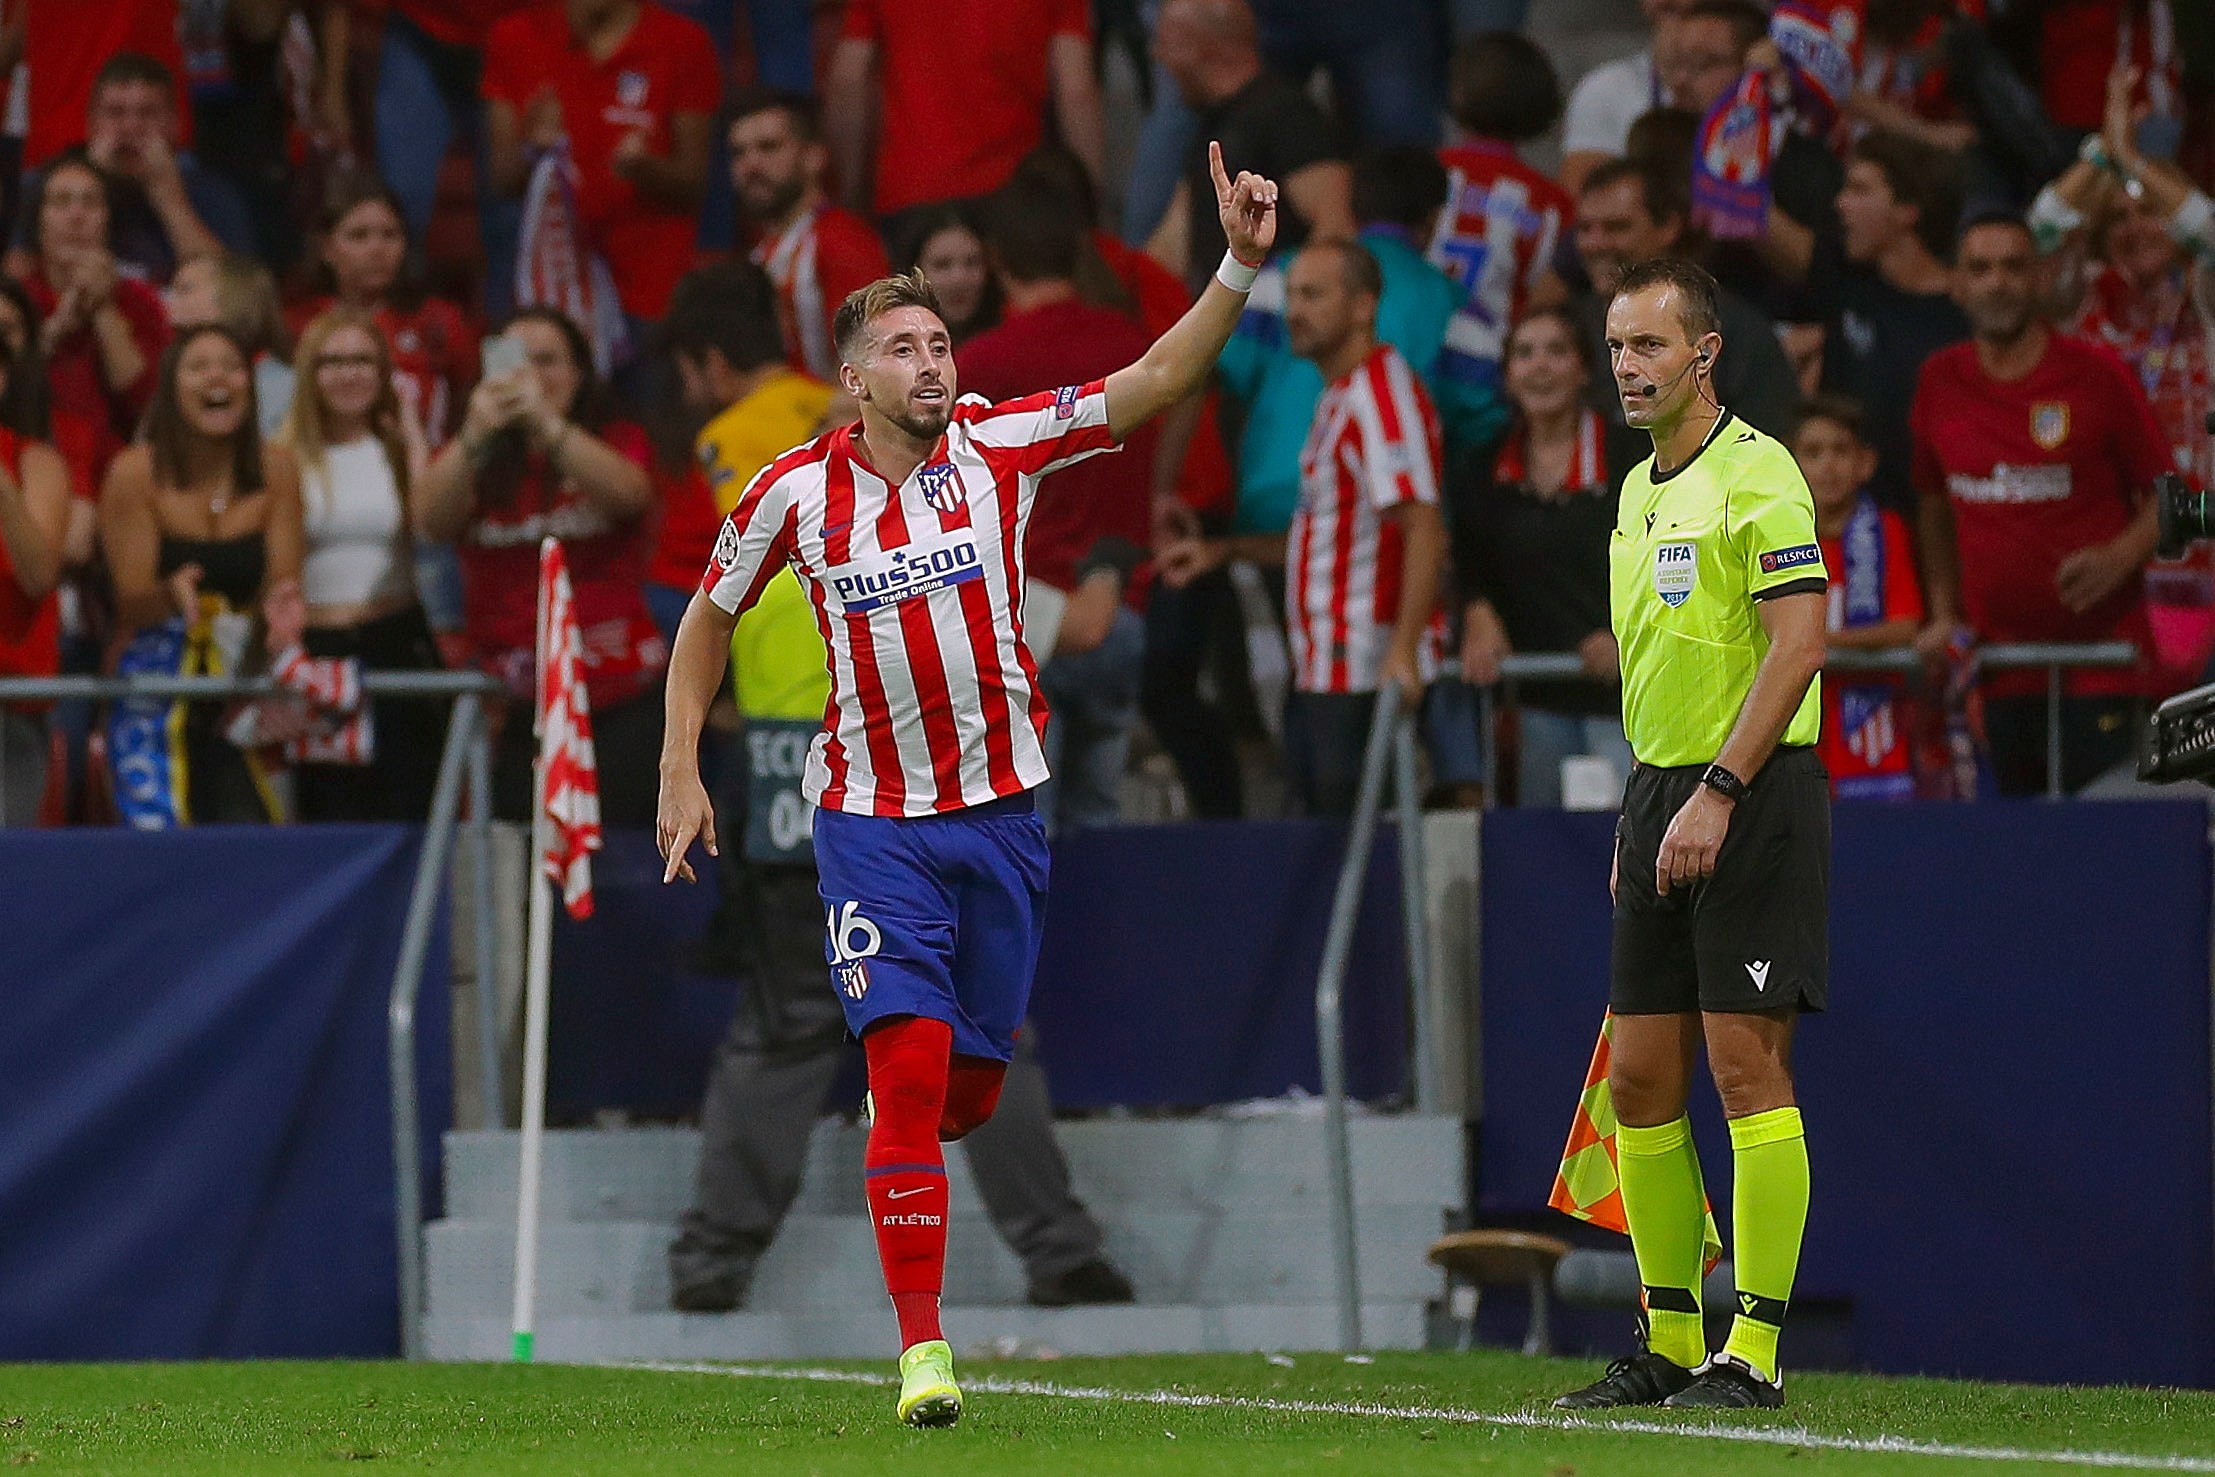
<point>316,316</point>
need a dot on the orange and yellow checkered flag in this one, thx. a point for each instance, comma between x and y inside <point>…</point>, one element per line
<point>1586,1186</point>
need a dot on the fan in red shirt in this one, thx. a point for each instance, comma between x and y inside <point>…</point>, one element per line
<point>815,252</point>
<point>34,521</point>
<point>950,96</point>
<point>1049,336</point>
<point>1875,603</point>
<point>2035,453</point>
<point>63,48</point>
<point>634,87</point>
<point>433,346</point>
<point>1156,297</point>
<point>102,334</point>
<point>540,455</point>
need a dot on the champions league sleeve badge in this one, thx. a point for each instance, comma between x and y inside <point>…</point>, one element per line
<point>1676,571</point>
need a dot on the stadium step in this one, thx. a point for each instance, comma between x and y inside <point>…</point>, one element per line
<point>1223,1225</point>
<point>1180,1163</point>
<point>1009,1332</point>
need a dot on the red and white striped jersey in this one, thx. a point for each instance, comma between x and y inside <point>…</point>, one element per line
<point>814,263</point>
<point>1374,445</point>
<point>1496,238</point>
<point>918,591</point>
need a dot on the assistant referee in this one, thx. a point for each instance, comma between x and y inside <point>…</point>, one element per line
<point>1722,857</point>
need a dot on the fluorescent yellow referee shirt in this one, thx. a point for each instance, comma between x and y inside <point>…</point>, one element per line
<point>778,666</point>
<point>1691,555</point>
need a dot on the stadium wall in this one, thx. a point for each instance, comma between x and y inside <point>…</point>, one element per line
<point>197,1155</point>
<point>2007,1104</point>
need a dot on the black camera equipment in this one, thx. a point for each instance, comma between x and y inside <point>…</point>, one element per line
<point>2179,744</point>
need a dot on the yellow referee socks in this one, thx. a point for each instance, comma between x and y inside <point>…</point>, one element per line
<point>1666,1205</point>
<point>1768,1212</point>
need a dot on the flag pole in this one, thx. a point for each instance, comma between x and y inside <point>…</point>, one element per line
<point>536,993</point>
<point>536,990</point>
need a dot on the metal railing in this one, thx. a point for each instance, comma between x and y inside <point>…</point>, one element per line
<point>1391,733</point>
<point>2054,658</point>
<point>467,746</point>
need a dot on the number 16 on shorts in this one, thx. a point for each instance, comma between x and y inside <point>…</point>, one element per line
<point>854,941</point>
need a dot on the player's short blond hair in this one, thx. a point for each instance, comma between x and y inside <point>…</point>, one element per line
<point>865,305</point>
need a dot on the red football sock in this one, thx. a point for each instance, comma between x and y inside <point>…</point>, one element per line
<point>906,1173</point>
<point>972,1092</point>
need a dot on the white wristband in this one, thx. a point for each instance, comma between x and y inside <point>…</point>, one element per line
<point>2193,226</point>
<point>1235,274</point>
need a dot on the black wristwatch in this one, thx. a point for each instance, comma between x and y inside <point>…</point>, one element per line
<point>1724,783</point>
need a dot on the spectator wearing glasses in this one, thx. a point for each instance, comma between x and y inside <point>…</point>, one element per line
<point>358,461</point>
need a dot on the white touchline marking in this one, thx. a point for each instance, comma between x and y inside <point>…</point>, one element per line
<point>1519,1420</point>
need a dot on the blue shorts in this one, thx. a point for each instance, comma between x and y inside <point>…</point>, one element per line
<point>936,916</point>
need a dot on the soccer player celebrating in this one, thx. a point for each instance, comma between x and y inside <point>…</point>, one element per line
<point>906,531</point>
<point>1722,856</point>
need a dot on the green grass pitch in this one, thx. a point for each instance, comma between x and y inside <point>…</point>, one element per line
<point>1233,1414</point>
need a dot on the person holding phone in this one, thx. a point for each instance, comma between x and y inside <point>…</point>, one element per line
<point>544,451</point>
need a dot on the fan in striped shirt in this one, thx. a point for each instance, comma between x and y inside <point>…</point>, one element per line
<point>1365,556</point>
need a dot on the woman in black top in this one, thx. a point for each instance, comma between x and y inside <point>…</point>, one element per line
<point>1530,552</point>
<point>197,520</point>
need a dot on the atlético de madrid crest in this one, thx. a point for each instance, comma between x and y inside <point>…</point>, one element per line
<point>2049,423</point>
<point>942,487</point>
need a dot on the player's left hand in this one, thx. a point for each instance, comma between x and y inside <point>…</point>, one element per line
<point>1248,206</point>
<point>1693,841</point>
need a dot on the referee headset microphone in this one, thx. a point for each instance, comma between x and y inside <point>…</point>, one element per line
<point>1651,391</point>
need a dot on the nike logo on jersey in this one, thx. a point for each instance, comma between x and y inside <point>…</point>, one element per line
<point>903,1194</point>
<point>1759,969</point>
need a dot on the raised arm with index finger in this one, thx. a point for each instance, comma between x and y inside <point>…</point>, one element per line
<point>1180,360</point>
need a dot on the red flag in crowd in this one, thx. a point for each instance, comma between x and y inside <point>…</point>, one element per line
<point>568,775</point>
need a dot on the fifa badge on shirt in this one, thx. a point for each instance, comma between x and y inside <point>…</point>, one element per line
<point>2049,423</point>
<point>941,486</point>
<point>1676,570</point>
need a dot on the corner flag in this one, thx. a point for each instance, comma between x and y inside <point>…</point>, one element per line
<point>1586,1186</point>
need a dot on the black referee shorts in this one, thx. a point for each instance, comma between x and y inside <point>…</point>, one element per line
<point>1753,937</point>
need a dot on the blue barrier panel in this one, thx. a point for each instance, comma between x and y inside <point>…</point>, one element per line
<point>1178,968</point>
<point>197,1160</point>
<point>2008,1102</point>
<point>1179,964</point>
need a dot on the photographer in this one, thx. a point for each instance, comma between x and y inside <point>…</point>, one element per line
<point>543,452</point>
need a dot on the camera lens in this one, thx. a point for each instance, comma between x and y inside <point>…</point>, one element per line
<point>2185,513</point>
